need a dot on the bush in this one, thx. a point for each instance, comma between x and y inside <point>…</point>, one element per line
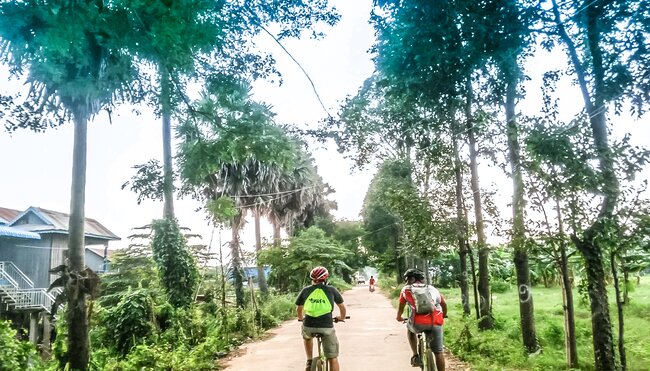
<point>499,287</point>
<point>131,321</point>
<point>553,335</point>
<point>16,354</point>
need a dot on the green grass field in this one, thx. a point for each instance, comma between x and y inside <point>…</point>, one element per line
<point>500,349</point>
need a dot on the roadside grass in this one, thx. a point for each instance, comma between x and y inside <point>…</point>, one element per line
<point>501,349</point>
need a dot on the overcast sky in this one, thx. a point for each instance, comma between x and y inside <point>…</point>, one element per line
<point>35,168</point>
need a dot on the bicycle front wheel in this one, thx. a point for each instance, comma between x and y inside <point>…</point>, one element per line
<point>318,364</point>
<point>428,361</point>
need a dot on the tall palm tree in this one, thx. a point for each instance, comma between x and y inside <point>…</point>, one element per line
<point>237,153</point>
<point>295,190</point>
<point>72,55</point>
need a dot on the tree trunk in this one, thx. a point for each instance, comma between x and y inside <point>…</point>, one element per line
<point>277,237</point>
<point>168,171</point>
<point>518,242</point>
<point>626,284</point>
<point>472,263</point>
<point>588,245</point>
<point>261,277</point>
<point>398,266</point>
<point>235,259</point>
<point>486,320</point>
<point>570,343</point>
<point>601,325</point>
<point>78,340</point>
<point>619,309</point>
<point>461,228</point>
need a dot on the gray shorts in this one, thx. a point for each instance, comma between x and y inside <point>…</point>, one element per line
<point>435,332</point>
<point>330,342</point>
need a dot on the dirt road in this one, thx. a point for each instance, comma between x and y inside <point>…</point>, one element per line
<point>370,340</point>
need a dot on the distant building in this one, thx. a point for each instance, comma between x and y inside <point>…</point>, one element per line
<point>36,240</point>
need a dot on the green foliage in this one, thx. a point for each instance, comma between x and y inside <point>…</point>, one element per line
<point>16,354</point>
<point>176,266</point>
<point>290,266</point>
<point>499,287</point>
<point>130,322</point>
<point>502,349</point>
<point>222,209</point>
<point>131,268</point>
<point>398,220</point>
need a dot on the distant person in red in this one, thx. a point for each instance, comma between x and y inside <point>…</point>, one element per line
<point>371,284</point>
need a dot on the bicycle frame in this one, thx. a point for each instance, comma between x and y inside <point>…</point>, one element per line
<point>427,359</point>
<point>424,351</point>
<point>320,363</point>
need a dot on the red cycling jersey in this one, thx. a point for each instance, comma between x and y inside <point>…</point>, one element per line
<point>421,319</point>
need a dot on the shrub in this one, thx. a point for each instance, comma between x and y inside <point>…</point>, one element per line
<point>498,286</point>
<point>131,321</point>
<point>553,335</point>
<point>16,354</point>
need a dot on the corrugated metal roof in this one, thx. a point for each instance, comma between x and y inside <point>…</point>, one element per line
<point>7,215</point>
<point>58,223</point>
<point>6,231</point>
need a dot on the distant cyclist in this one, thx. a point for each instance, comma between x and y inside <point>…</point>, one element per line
<point>315,305</point>
<point>414,290</point>
<point>371,284</point>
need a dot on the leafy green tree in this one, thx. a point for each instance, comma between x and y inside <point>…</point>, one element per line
<point>72,54</point>
<point>290,265</point>
<point>426,57</point>
<point>609,64</point>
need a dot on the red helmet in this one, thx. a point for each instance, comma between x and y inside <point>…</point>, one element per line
<point>319,274</point>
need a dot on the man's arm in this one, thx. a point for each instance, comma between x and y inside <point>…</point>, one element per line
<point>342,312</point>
<point>300,311</point>
<point>443,304</point>
<point>400,310</point>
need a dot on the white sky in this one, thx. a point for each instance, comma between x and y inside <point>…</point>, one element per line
<point>35,168</point>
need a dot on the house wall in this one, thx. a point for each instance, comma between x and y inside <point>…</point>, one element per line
<point>59,253</point>
<point>94,261</point>
<point>30,256</point>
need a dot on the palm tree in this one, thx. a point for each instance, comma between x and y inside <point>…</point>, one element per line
<point>296,190</point>
<point>72,55</point>
<point>236,153</point>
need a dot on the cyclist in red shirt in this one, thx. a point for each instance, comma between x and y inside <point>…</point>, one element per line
<point>371,284</point>
<point>422,322</point>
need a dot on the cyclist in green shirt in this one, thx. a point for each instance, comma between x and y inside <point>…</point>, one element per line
<point>315,305</point>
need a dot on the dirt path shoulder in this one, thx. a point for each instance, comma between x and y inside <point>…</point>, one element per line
<point>370,340</point>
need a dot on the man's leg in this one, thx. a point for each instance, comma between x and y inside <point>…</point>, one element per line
<point>308,342</point>
<point>440,361</point>
<point>413,342</point>
<point>334,364</point>
<point>436,346</point>
<point>309,348</point>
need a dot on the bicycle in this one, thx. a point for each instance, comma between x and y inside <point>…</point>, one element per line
<point>427,359</point>
<point>319,363</point>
